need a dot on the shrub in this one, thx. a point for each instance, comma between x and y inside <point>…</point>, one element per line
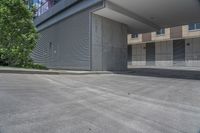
<point>18,35</point>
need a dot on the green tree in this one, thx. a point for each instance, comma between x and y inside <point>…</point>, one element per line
<point>18,35</point>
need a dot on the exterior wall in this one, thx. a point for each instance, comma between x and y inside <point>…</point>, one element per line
<point>139,55</point>
<point>192,52</point>
<point>134,40</point>
<point>190,34</point>
<point>179,32</point>
<point>176,32</point>
<point>63,10</point>
<point>164,53</point>
<point>164,47</point>
<point>109,44</point>
<point>164,37</point>
<point>65,45</point>
<point>146,37</point>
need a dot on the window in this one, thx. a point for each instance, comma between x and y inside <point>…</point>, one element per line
<point>198,26</point>
<point>195,26</point>
<point>134,35</point>
<point>42,6</point>
<point>160,32</point>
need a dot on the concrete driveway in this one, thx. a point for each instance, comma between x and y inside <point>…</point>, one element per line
<point>112,103</point>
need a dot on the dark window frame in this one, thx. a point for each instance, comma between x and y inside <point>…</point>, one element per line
<point>194,27</point>
<point>135,35</point>
<point>160,32</point>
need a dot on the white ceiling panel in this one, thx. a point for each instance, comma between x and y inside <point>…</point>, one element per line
<point>148,15</point>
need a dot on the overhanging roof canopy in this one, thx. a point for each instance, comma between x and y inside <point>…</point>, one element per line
<point>150,15</point>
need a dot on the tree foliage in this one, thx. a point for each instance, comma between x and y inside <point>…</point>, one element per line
<point>18,34</point>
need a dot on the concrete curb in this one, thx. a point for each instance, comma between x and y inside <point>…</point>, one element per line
<point>50,72</point>
<point>27,72</point>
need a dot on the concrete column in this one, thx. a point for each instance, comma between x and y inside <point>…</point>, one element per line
<point>109,45</point>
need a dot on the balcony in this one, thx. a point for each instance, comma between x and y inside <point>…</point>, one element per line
<point>42,6</point>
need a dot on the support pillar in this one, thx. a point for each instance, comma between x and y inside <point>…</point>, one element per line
<point>109,45</point>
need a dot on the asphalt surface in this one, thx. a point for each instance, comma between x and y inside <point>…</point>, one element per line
<point>112,103</point>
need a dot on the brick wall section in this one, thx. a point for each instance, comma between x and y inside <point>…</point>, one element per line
<point>176,32</point>
<point>146,37</point>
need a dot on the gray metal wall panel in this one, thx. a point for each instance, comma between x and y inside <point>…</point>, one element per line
<point>164,53</point>
<point>192,52</point>
<point>70,44</point>
<point>167,54</point>
<point>139,55</point>
<point>46,20</point>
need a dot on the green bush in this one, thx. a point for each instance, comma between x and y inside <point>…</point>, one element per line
<point>36,66</point>
<point>18,35</point>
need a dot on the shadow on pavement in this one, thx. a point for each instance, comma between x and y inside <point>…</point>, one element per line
<point>164,73</point>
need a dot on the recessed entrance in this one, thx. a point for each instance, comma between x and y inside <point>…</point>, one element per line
<point>150,54</point>
<point>179,52</point>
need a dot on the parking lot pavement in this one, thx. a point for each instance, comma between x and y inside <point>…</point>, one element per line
<point>112,103</point>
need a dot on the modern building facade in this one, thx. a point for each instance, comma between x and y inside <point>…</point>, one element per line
<point>177,46</point>
<point>92,34</point>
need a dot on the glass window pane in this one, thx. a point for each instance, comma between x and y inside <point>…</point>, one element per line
<point>160,32</point>
<point>191,26</point>
<point>134,35</point>
<point>198,26</point>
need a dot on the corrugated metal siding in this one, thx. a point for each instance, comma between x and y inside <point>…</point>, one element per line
<point>164,53</point>
<point>66,44</point>
<point>170,53</point>
<point>139,55</point>
<point>192,53</point>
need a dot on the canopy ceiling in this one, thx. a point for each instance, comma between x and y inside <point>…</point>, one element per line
<point>150,15</point>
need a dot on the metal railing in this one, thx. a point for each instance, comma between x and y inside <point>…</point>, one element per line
<point>43,6</point>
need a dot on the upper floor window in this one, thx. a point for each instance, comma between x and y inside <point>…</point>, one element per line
<point>134,35</point>
<point>195,26</point>
<point>42,6</point>
<point>160,32</point>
